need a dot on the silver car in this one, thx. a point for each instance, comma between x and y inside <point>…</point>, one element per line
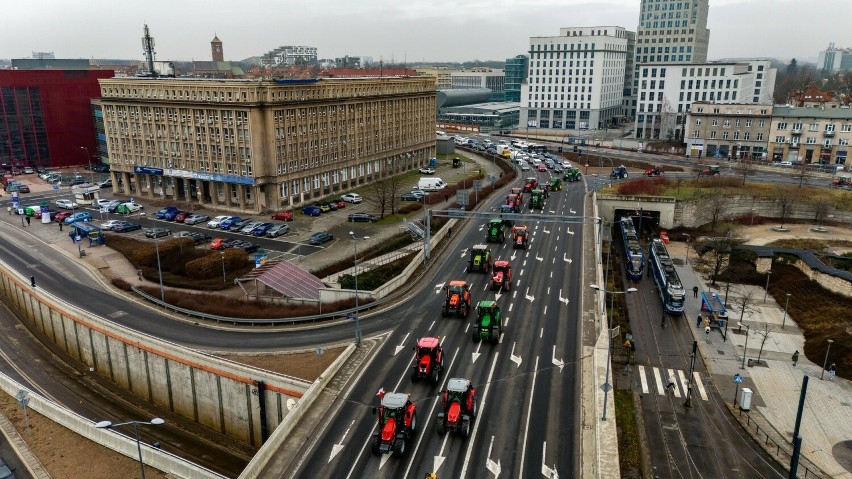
<point>246,230</point>
<point>195,219</point>
<point>278,230</point>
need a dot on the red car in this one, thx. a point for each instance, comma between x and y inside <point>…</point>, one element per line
<point>283,215</point>
<point>217,243</point>
<point>340,204</point>
<point>60,217</point>
<point>542,168</point>
<point>181,216</point>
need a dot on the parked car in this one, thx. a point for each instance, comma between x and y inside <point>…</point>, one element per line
<point>109,225</point>
<point>127,226</point>
<point>22,188</point>
<point>168,209</point>
<point>247,228</point>
<point>127,208</point>
<point>542,167</point>
<point>28,170</point>
<point>261,229</point>
<point>362,217</point>
<point>5,471</point>
<point>352,198</point>
<point>331,206</point>
<point>78,180</point>
<point>240,224</point>
<point>60,217</point>
<point>311,211</point>
<point>195,236</point>
<point>283,215</point>
<point>39,212</point>
<point>78,216</point>
<point>340,204</point>
<point>246,245</point>
<point>108,206</point>
<point>228,222</point>
<point>195,219</point>
<point>219,244</point>
<point>215,222</point>
<point>278,230</point>
<point>324,208</point>
<point>320,237</point>
<point>427,171</point>
<point>157,232</point>
<point>65,204</point>
<point>411,196</point>
<point>105,184</point>
<point>180,217</point>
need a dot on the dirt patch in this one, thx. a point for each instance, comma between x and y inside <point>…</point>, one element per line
<point>64,453</point>
<point>305,365</point>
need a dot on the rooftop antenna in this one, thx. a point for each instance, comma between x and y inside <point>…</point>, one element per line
<point>148,49</point>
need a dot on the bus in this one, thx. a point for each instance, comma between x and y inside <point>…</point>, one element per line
<point>634,259</point>
<point>668,283</point>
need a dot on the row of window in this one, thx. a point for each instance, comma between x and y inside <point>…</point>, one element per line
<point>539,49</point>
<point>811,141</point>
<point>727,136</point>
<point>829,127</point>
<point>747,123</point>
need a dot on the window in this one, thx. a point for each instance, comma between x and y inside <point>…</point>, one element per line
<point>698,122</point>
<point>748,123</point>
<point>846,128</point>
<point>724,135</point>
<point>797,126</point>
<point>712,135</point>
<point>780,139</point>
<point>810,140</point>
<point>736,135</point>
<point>829,128</point>
<point>759,137</point>
<point>843,142</point>
<point>782,125</point>
<point>746,135</point>
<point>813,127</point>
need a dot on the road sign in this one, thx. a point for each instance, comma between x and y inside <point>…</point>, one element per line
<point>477,185</point>
<point>56,186</point>
<point>78,238</point>
<point>737,378</point>
<point>606,387</point>
<point>461,197</point>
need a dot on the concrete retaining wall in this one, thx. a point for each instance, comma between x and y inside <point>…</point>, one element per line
<point>217,393</point>
<point>831,283</point>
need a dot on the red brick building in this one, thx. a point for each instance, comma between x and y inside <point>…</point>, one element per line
<point>46,116</point>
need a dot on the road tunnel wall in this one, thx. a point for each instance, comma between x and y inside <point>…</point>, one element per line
<point>217,393</point>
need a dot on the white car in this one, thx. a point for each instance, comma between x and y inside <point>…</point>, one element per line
<point>109,225</point>
<point>351,198</point>
<point>102,202</point>
<point>214,223</point>
<point>66,204</point>
<point>427,171</point>
<point>525,167</point>
<point>566,164</point>
<point>132,207</point>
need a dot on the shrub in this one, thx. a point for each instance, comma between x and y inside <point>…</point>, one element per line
<point>643,186</point>
<point>376,277</point>
<point>409,208</point>
<point>210,265</point>
<point>121,283</point>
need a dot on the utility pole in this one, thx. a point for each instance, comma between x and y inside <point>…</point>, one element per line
<point>687,403</point>
<point>797,439</point>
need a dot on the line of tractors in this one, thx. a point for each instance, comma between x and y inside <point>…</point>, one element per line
<point>397,414</point>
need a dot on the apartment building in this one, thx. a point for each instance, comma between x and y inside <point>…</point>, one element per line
<point>735,130</point>
<point>576,79</point>
<point>666,92</point>
<point>289,55</point>
<point>254,146</point>
<point>810,135</point>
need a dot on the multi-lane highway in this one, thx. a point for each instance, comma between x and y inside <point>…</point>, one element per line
<point>526,384</point>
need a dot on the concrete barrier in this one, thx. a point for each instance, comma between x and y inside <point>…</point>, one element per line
<point>212,391</point>
<point>259,461</point>
<point>111,439</point>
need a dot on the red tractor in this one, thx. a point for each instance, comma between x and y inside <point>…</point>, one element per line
<point>397,424</point>
<point>530,184</point>
<point>841,181</point>
<point>514,201</point>
<point>502,277</point>
<point>459,408</point>
<point>428,360</point>
<point>520,237</point>
<point>458,299</point>
<point>655,171</point>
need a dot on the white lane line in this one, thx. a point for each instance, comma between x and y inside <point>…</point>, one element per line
<point>545,310</point>
<point>505,323</point>
<point>700,385</point>
<point>476,424</point>
<point>522,273</point>
<point>514,294</point>
<point>527,426</point>
<point>641,379</point>
<point>541,333</point>
<point>431,326</point>
<point>676,388</point>
<point>466,327</point>
<point>510,306</point>
<point>659,382</point>
<point>548,290</point>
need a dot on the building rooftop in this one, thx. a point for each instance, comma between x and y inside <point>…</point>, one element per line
<point>844,112</point>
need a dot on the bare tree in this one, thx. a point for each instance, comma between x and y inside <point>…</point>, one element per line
<point>786,197</point>
<point>747,167</point>
<point>711,208</point>
<point>381,196</point>
<point>715,253</point>
<point>743,299</point>
<point>802,171</point>
<point>821,208</point>
<point>667,121</point>
<point>764,333</point>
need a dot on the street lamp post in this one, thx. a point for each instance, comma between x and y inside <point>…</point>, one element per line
<point>357,320</point>
<point>746,343</point>
<point>752,216</point>
<point>688,237</point>
<point>825,361</point>
<point>159,268</point>
<point>89,160</point>
<point>766,289</point>
<point>153,422</point>
<point>224,278</point>
<point>606,386</point>
<point>787,303</point>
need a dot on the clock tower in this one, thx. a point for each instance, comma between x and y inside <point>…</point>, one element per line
<point>216,49</point>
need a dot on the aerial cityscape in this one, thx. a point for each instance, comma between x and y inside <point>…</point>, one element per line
<point>388,240</point>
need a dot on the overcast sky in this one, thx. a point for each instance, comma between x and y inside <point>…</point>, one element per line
<point>416,30</point>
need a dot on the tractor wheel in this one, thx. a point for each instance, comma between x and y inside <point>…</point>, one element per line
<point>476,336</point>
<point>413,425</point>
<point>508,285</point>
<point>441,426</point>
<point>435,376</point>
<point>399,447</point>
<point>465,427</point>
<point>474,410</point>
<point>374,445</point>
<point>624,175</point>
<point>465,311</point>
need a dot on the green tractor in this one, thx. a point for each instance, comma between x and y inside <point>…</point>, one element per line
<point>537,199</point>
<point>480,259</point>
<point>496,231</point>
<point>489,322</point>
<point>555,184</point>
<point>573,174</point>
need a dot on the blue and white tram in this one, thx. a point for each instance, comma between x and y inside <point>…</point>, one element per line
<point>669,286</point>
<point>634,258</point>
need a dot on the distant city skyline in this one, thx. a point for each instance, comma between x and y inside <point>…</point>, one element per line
<point>399,32</point>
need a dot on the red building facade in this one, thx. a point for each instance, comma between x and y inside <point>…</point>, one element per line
<point>46,116</point>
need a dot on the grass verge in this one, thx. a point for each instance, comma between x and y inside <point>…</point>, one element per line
<point>629,450</point>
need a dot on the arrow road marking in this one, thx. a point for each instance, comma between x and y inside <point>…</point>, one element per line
<point>493,467</point>
<point>566,258</point>
<point>515,359</point>
<point>572,211</point>
<point>546,471</point>
<point>514,253</point>
<point>440,458</point>
<point>545,231</point>
<point>564,300</point>
<point>335,449</point>
<point>557,362</point>
<point>527,295</point>
<point>538,257</point>
<point>569,231</point>
<point>439,287</point>
<point>476,353</point>
<point>476,424</point>
<point>464,252</point>
<point>498,294</point>
<point>401,345</point>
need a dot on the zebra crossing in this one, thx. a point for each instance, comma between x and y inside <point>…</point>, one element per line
<point>659,378</point>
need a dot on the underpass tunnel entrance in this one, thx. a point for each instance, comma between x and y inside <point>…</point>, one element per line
<point>646,222</point>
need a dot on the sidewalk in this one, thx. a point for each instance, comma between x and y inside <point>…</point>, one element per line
<point>776,382</point>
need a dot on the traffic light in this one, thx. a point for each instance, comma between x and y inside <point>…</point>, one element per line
<point>32,281</point>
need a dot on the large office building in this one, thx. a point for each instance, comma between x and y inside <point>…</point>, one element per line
<point>46,116</point>
<point>494,80</point>
<point>516,74</point>
<point>255,146</point>
<point>576,79</point>
<point>834,59</point>
<point>666,92</point>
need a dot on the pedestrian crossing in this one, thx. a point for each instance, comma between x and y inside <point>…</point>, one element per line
<point>660,381</point>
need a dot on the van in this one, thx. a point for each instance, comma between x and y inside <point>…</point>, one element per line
<point>431,184</point>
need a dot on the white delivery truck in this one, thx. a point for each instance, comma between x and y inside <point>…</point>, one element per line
<point>431,184</point>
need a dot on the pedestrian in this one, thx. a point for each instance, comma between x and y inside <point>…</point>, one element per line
<point>795,357</point>
<point>707,333</point>
<point>707,322</point>
<point>671,383</point>
<point>698,321</point>
<point>831,371</point>
<point>446,197</point>
<point>60,226</point>
<point>28,220</point>
<point>9,209</point>
<point>695,291</point>
<point>449,232</point>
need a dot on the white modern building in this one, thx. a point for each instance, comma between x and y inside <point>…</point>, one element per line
<point>666,91</point>
<point>576,79</point>
<point>289,55</point>
<point>831,59</point>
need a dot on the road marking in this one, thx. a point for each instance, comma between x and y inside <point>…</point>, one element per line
<point>546,471</point>
<point>514,294</point>
<point>506,323</point>
<point>643,380</point>
<point>493,467</point>
<point>557,362</point>
<point>541,333</point>
<point>510,306</point>
<point>570,232</point>
<point>527,425</point>
<point>566,258</point>
<point>522,273</point>
<point>515,359</point>
<point>683,381</point>
<point>401,344</point>
<point>336,448</point>
<point>484,286</point>
<point>548,290</point>
<point>476,424</point>
<point>528,297</point>
<point>676,389</point>
<point>659,382</point>
<point>700,385</point>
<point>466,327</point>
<point>476,354</point>
<point>439,287</point>
<point>525,263</point>
<point>545,310</point>
<point>431,325</point>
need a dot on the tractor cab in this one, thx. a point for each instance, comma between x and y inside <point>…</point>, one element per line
<point>655,171</point>
<point>489,325</point>
<point>537,199</point>
<point>516,190</point>
<point>502,277</point>
<point>457,288</point>
<point>619,172</point>
<point>397,424</point>
<point>495,231</point>
<point>710,170</point>
<point>841,181</point>
<point>480,259</point>
<point>573,174</point>
<point>458,390</point>
<point>428,360</point>
<point>428,348</point>
<point>507,223</point>
<point>520,236</point>
<point>458,403</point>
<point>514,201</point>
<point>458,299</point>
<point>530,184</point>
<point>555,184</point>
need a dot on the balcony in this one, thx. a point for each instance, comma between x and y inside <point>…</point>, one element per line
<point>797,131</point>
<point>828,133</point>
